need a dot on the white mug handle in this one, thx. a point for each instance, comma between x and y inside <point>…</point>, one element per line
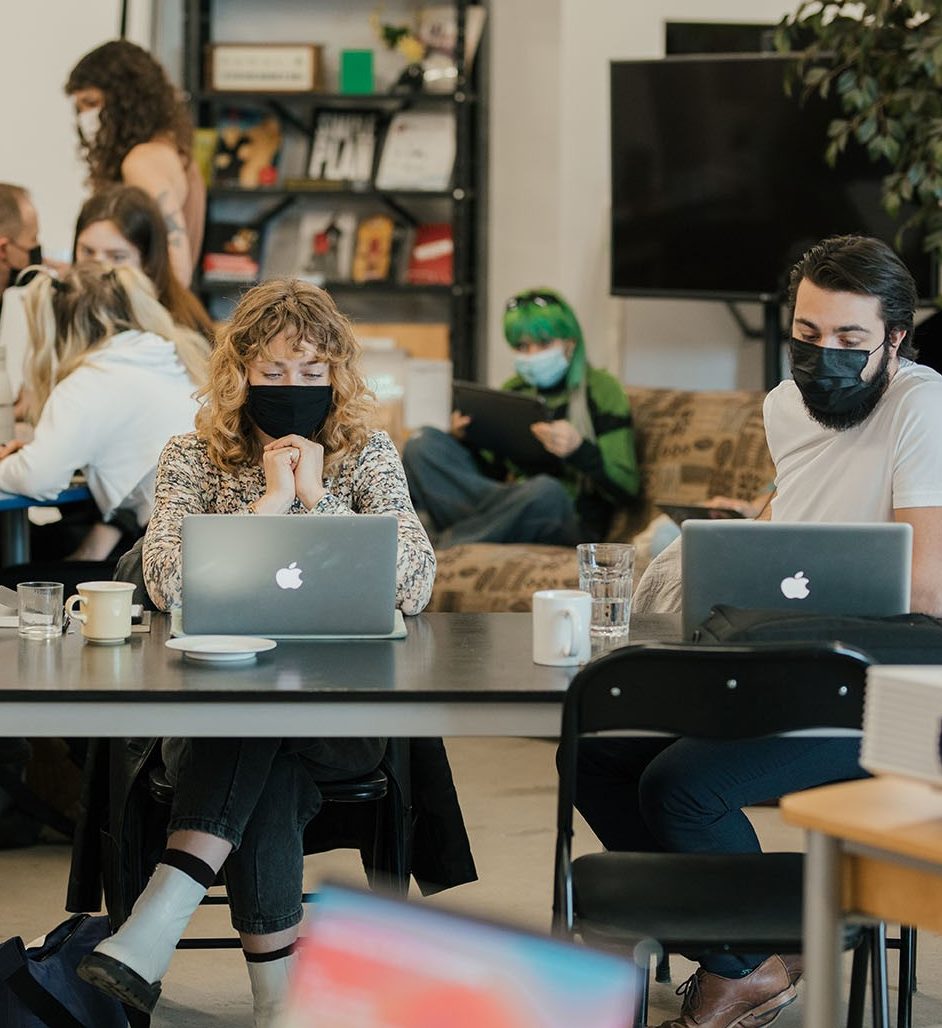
<point>78,615</point>
<point>575,630</point>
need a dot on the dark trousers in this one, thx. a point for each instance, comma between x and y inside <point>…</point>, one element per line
<point>259,794</point>
<point>463,505</point>
<point>687,795</point>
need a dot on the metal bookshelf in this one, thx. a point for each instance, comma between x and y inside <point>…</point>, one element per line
<point>462,303</point>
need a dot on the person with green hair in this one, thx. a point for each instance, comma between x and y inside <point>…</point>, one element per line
<point>466,496</point>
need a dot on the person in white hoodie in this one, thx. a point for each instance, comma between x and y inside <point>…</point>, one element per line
<point>112,377</point>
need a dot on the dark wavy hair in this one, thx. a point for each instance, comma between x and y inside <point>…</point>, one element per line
<point>137,217</point>
<point>861,264</point>
<point>140,103</point>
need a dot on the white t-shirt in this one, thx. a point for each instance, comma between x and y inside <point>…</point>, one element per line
<point>890,461</point>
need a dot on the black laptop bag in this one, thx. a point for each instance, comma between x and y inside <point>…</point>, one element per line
<point>900,639</point>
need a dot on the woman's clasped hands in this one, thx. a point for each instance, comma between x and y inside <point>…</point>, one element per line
<point>294,469</point>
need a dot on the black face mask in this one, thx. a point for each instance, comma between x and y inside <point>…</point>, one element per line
<point>830,383</point>
<point>289,410</point>
<point>33,256</point>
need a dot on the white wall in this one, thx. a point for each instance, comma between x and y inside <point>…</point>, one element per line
<point>42,41</point>
<point>549,200</point>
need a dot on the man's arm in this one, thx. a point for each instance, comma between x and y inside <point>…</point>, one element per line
<point>156,168</point>
<point>926,594</point>
<point>765,514</point>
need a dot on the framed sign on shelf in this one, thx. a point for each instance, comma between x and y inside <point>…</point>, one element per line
<point>264,67</point>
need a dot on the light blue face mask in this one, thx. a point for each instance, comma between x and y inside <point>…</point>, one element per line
<point>544,369</point>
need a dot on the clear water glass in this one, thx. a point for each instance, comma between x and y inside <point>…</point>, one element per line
<point>40,610</point>
<point>605,572</point>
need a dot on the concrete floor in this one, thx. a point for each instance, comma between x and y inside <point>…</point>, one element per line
<point>507,789</point>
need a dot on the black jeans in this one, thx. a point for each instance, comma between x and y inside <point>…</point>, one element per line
<point>259,794</point>
<point>687,795</point>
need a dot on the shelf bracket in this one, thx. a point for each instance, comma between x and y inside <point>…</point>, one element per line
<point>282,205</point>
<point>290,117</point>
<point>747,330</point>
<point>397,209</point>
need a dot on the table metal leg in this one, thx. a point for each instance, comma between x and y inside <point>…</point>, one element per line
<point>14,537</point>
<point>822,931</point>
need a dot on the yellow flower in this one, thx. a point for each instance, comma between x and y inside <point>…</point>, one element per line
<point>411,49</point>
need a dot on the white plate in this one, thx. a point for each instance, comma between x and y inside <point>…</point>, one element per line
<point>228,649</point>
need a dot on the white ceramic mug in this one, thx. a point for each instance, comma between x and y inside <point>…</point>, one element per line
<point>561,620</point>
<point>106,610</point>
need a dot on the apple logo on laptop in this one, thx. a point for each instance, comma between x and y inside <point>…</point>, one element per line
<point>290,577</point>
<point>795,587</point>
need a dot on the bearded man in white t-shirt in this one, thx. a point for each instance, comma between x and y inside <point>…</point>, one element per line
<point>856,436</point>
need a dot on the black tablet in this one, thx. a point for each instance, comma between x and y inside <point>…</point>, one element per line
<point>680,512</point>
<point>500,422</point>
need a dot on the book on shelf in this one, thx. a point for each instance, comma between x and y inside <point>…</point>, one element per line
<point>438,30</point>
<point>248,144</point>
<point>431,257</point>
<point>231,251</point>
<point>343,148</point>
<point>325,246</point>
<point>204,151</point>
<point>418,151</point>
<point>377,248</point>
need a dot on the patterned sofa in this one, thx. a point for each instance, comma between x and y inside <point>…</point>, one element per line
<point>692,445</point>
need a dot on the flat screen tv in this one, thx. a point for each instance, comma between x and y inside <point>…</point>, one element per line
<point>719,181</point>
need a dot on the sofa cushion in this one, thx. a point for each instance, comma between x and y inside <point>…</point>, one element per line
<point>693,445</point>
<point>500,576</point>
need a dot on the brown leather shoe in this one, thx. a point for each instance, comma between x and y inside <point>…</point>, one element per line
<point>753,1001</point>
<point>795,966</point>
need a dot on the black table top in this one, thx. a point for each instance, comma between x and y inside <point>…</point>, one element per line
<point>445,657</point>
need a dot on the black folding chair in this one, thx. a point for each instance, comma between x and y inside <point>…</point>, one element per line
<point>706,902</point>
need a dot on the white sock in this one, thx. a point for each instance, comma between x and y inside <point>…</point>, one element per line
<point>269,980</point>
<point>146,941</point>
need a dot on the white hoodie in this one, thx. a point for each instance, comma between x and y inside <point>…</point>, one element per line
<point>110,418</point>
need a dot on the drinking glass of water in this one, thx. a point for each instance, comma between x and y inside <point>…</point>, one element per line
<point>40,610</point>
<point>605,571</point>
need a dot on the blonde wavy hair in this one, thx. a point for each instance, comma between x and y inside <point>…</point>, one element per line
<point>308,317</point>
<point>72,317</point>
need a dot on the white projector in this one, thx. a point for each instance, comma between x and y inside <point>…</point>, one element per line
<point>903,721</point>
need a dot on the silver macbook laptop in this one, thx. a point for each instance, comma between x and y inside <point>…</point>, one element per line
<point>810,568</point>
<point>289,576</point>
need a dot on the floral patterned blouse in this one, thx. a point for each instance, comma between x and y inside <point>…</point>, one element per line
<point>370,482</point>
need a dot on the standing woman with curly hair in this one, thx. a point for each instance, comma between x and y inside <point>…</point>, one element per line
<point>135,129</point>
<point>284,430</point>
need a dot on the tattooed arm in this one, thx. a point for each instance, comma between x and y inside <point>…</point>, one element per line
<point>156,168</point>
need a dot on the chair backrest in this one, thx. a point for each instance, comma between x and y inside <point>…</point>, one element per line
<point>710,692</point>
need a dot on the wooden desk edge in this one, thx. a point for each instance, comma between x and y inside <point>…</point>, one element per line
<point>896,815</point>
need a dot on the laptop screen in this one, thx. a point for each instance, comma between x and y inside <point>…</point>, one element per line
<point>856,568</point>
<point>383,962</point>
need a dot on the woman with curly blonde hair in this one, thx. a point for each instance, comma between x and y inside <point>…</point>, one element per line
<point>284,430</point>
<point>134,128</point>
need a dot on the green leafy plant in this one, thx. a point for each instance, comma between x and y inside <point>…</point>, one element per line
<point>883,58</point>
